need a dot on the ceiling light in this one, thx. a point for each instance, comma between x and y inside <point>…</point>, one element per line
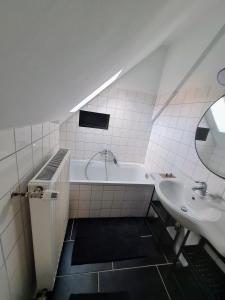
<point>96,92</point>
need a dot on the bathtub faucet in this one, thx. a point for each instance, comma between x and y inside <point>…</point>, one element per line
<point>115,161</point>
<point>110,156</point>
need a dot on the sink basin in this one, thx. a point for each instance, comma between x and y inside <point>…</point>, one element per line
<point>197,213</point>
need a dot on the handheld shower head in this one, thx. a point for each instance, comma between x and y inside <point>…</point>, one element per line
<point>115,161</point>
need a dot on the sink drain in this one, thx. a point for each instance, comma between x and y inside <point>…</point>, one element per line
<point>184,208</point>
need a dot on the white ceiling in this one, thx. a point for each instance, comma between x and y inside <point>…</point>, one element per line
<point>146,75</point>
<point>54,53</point>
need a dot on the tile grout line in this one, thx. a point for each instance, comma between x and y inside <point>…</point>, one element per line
<point>16,214</point>
<point>165,257</point>
<point>14,245</point>
<point>30,144</point>
<point>16,158</point>
<point>98,284</point>
<point>112,270</point>
<point>163,283</point>
<point>138,267</point>
<point>5,268</point>
<point>32,148</point>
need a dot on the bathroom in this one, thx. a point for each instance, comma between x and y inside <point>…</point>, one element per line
<point>123,102</point>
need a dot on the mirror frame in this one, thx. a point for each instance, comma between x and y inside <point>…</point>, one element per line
<point>223,177</point>
<point>222,71</point>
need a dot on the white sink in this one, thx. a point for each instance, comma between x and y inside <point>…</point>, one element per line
<point>201,215</point>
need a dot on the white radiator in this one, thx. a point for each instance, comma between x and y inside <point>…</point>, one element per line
<point>49,208</point>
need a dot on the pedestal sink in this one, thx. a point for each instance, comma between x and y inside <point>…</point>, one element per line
<point>201,215</point>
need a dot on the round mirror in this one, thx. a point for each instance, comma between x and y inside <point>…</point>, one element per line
<point>210,138</point>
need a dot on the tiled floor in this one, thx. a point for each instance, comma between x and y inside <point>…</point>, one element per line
<point>146,278</point>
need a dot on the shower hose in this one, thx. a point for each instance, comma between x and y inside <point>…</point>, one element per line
<point>105,152</point>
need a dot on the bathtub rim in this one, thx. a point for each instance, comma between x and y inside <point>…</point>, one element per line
<point>104,182</point>
<point>96,182</point>
<point>102,162</point>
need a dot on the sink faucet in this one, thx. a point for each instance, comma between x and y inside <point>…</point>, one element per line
<point>202,187</point>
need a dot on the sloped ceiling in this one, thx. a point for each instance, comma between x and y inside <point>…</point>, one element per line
<point>53,53</point>
<point>146,75</point>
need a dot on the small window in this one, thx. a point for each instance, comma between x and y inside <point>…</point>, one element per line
<point>93,120</point>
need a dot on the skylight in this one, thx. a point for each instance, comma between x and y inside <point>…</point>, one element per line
<point>96,92</point>
<point>218,111</point>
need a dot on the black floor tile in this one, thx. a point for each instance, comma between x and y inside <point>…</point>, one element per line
<point>68,235</point>
<point>155,227</point>
<point>131,263</point>
<point>153,256</point>
<point>107,249</point>
<point>181,283</point>
<point>142,226</point>
<point>141,283</point>
<point>73,234</point>
<point>75,284</point>
<point>66,268</point>
<point>163,242</point>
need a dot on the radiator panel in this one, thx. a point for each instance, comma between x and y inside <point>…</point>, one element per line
<point>49,216</point>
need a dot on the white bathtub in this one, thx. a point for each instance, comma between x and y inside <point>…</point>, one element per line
<point>122,173</point>
<point>126,193</point>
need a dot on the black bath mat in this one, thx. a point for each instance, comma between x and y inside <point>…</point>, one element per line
<point>107,240</point>
<point>101,296</point>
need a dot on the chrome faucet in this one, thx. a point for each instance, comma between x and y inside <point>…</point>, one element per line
<point>202,187</point>
<point>108,153</point>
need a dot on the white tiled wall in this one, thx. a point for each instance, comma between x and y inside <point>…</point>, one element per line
<point>22,152</point>
<point>171,147</point>
<point>172,141</point>
<point>106,200</point>
<point>129,126</point>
